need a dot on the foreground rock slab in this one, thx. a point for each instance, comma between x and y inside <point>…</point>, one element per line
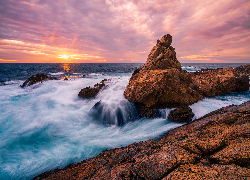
<point>213,147</point>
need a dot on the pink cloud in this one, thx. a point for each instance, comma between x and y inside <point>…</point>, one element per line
<point>116,30</point>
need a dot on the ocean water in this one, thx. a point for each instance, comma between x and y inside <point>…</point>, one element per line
<point>46,126</point>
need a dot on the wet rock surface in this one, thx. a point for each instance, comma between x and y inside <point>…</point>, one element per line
<point>213,147</point>
<point>90,92</point>
<point>37,78</point>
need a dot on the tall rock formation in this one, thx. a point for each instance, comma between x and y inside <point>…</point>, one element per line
<point>161,82</point>
<point>162,56</point>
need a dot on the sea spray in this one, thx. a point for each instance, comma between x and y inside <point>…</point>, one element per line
<point>46,126</point>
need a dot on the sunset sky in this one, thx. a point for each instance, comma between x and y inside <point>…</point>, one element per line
<point>123,31</point>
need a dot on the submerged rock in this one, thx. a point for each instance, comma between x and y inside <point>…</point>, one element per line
<point>181,114</point>
<point>161,83</point>
<point>90,92</point>
<point>216,145</point>
<point>37,78</point>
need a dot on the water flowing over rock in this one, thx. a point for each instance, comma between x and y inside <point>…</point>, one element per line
<point>37,78</point>
<point>161,83</point>
<point>118,113</point>
<point>216,145</point>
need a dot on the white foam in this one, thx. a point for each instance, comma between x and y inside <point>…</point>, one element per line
<point>207,105</point>
<point>55,74</point>
<point>46,126</point>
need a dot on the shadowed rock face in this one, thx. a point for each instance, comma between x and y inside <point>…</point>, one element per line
<point>181,114</point>
<point>37,78</point>
<point>215,146</point>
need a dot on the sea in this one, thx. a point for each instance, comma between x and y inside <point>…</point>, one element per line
<point>47,126</point>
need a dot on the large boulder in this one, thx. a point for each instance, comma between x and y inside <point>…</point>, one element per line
<point>161,83</point>
<point>161,88</point>
<point>37,78</point>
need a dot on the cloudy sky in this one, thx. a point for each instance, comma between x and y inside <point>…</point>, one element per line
<point>85,31</point>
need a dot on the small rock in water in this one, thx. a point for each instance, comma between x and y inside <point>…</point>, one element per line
<point>37,78</point>
<point>90,92</point>
<point>181,114</point>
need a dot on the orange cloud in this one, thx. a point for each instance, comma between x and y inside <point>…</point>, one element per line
<point>4,60</point>
<point>39,51</point>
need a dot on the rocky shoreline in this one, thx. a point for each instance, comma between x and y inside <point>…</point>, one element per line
<point>215,146</point>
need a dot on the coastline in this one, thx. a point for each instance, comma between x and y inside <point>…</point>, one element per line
<point>216,145</point>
